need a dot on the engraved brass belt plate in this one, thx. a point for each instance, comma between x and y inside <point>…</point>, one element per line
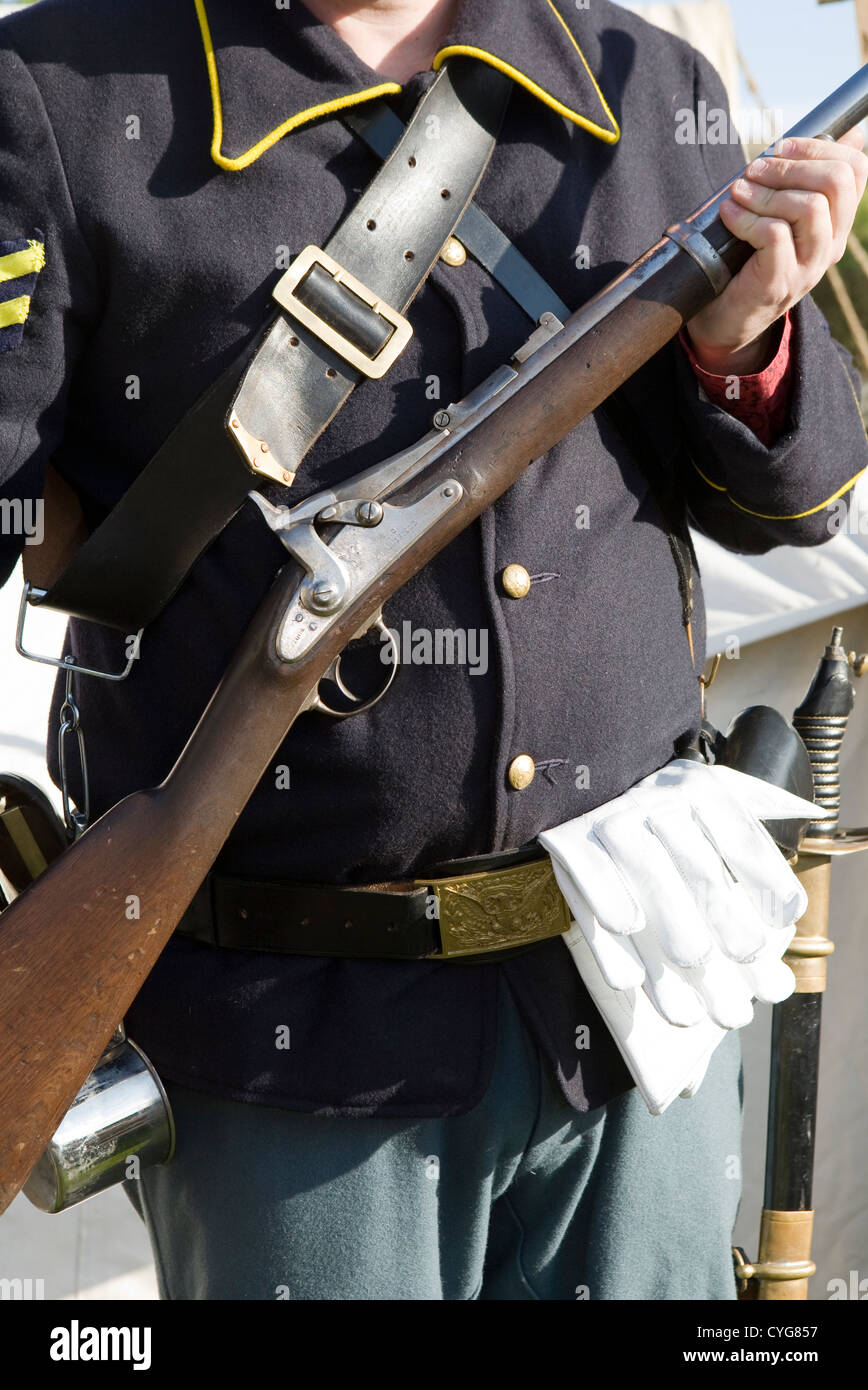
<point>499,909</point>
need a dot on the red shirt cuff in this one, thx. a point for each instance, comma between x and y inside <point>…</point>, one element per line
<point>761,401</point>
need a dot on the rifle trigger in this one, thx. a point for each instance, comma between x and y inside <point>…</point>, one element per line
<point>333,674</point>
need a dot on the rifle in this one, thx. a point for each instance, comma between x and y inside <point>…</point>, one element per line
<point>74,951</point>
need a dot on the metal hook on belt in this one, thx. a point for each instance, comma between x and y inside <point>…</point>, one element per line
<point>70,722</point>
<point>707,681</point>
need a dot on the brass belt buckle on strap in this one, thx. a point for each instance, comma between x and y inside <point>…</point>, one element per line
<point>373,364</point>
<point>500,908</point>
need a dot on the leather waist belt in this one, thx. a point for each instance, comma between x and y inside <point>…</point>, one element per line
<point>489,913</point>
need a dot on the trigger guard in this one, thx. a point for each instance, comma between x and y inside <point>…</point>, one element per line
<point>334,674</point>
<point>320,706</point>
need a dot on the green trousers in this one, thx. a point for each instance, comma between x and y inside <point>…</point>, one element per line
<point>521,1198</point>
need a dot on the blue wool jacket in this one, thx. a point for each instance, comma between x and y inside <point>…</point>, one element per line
<point>161,227</point>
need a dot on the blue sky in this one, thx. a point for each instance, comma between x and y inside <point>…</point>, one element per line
<point>799,51</point>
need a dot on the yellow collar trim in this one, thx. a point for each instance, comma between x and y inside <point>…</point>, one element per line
<point>326,108</point>
<point>611,137</point>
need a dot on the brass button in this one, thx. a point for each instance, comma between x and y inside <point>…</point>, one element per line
<point>522,771</point>
<point>516,581</point>
<point>453,252</point>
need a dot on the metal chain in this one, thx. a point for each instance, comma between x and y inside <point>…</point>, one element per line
<point>76,821</point>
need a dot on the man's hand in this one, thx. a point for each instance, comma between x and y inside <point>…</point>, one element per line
<point>797,210</point>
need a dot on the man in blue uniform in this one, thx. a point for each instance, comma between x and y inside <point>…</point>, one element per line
<point>399,1128</point>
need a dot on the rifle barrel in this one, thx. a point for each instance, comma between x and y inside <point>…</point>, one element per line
<point>834,116</point>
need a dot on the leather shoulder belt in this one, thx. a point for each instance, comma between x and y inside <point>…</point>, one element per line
<point>342,320</point>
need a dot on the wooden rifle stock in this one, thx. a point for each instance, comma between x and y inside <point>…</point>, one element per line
<point>73,952</point>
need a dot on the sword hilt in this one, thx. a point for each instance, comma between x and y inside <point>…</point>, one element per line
<point>784,1265</point>
<point>821,720</point>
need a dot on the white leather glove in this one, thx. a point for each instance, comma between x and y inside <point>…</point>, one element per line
<point>683,900</point>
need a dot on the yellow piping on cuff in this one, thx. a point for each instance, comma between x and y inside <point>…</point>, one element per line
<point>326,108</point>
<point>717,486</point>
<point>611,137</point>
<point>14,310</point>
<point>18,263</point>
<point>772,516</point>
